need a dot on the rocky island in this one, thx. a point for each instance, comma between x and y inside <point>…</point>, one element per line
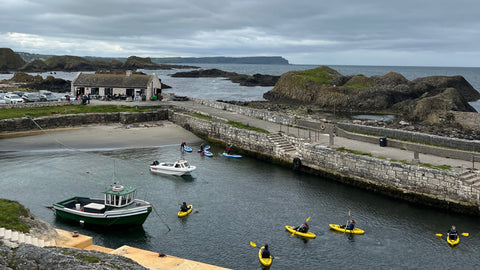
<point>427,100</point>
<point>242,79</point>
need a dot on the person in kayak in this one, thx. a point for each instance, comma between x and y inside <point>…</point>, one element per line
<point>182,146</point>
<point>452,233</point>
<point>265,252</point>
<point>302,228</point>
<point>229,148</point>
<point>350,224</point>
<point>184,207</point>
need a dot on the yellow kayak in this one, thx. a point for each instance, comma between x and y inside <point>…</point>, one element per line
<point>307,234</point>
<point>453,242</point>
<point>336,227</point>
<point>264,261</point>
<point>184,214</point>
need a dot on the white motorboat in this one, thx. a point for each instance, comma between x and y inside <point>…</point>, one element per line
<point>179,168</point>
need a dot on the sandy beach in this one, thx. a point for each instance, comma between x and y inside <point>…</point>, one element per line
<point>110,136</point>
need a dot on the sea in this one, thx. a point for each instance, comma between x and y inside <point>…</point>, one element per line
<point>242,201</point>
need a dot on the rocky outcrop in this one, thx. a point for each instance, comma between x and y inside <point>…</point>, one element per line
<point>9,60</point>
<point>243,80</point>
<point>38,83</point>
<point>31,257</point>
<point>423,99</point>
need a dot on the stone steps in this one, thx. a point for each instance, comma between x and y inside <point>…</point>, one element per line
<point>19,238</point>
<point>281,143</point>
<point>470,178</point>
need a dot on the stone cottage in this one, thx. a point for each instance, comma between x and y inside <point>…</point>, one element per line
<point>128,86</point>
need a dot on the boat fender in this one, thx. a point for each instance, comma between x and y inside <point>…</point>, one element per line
<point>117,188</point>
<point>297,163</point>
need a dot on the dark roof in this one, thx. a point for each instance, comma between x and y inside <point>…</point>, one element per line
<point>110,80</point>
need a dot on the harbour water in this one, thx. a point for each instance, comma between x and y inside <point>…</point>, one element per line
<point>239,201</point>
<point>245,200</point>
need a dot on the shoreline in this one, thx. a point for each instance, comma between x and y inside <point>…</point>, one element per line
<point>117,135</point>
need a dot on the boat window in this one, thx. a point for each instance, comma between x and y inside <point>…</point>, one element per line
<point>177,166</point>
<point>186,164</point>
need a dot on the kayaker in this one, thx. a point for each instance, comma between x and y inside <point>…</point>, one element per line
<point>184,207</point>
<point>265,252</point>
<point>452,233</point>
<point>302,228</point>
<point>229,148</point>
<point>202,147</point>
<point>182,146</point>
<point>350,224</point>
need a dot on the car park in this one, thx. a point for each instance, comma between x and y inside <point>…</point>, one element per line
<point>12,98</point>
<point>30,97</point>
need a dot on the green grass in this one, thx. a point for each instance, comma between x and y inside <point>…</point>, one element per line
<point>317,75</point>
<point>10,213</point>
<point>343,149</point>
<point>67,109</point>
<point>248,127</point>
<point>201,116</point>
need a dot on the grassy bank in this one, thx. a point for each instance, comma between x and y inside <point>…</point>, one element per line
<point>10,213</point>
<point>68,109</point>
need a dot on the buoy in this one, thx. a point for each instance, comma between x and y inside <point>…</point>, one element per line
<point>141,173</point>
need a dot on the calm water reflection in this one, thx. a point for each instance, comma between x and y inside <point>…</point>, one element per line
<point>239,201</point>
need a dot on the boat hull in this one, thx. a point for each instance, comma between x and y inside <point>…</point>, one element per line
<point>184,214</point>
<point>231,156</point>
<point>128,216</point>
<point>306,235</point>
<point>453,242</point>
<point>264,261</point>
<point>171,171</point>
<point>336,227</point>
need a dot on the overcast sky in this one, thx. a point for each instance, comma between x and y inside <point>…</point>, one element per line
<point>319,32</point>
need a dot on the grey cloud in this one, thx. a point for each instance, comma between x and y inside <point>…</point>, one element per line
<point>217,27</point>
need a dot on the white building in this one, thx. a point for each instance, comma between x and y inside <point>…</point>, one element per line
<point>128,85</point>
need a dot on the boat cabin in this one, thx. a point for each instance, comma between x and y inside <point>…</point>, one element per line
<point>119,196</point>
<point>182,164</point>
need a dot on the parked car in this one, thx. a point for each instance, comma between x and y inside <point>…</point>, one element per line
<point>46,95</point>
<point>2,101</point>
<point>19,93</point>
<point>12,98</point>
<point>31,97</point>
<point>63,96</point>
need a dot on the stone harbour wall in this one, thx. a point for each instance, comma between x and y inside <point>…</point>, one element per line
<point>255,113</point>
<point>427,186</point>
<point>254,142</point>
<point>414,136</point>
<point>70,120</point>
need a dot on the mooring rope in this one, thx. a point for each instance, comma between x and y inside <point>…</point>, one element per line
<point>163,221</point>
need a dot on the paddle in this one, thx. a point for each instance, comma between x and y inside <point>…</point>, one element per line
<point>295,231</point>
<point>196,211</point>
<point>255,245</point>
<point>344,231</point>
<point>464,234</point>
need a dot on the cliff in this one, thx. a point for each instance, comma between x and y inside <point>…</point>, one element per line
<point>265,60</point>
<point>423,99</point>
<point>9,60</point>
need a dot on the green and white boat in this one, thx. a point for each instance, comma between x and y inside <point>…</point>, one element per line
<point>118,207</point>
